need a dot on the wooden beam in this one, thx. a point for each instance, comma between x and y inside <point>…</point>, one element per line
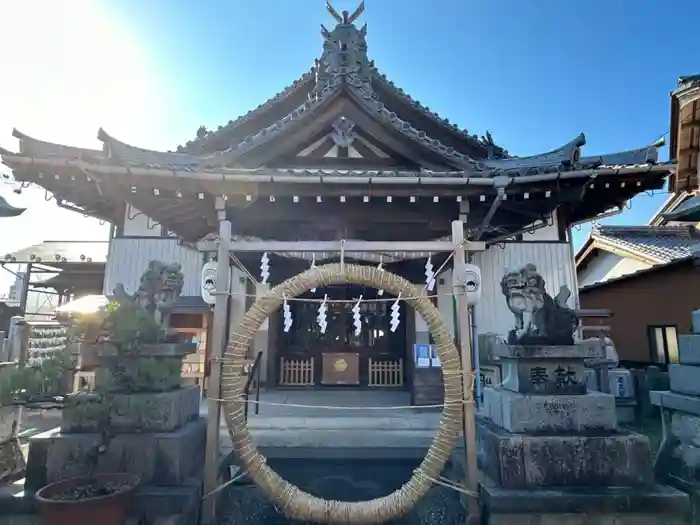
<point>468,378</point>
<point>338,246</point>
<point>307,210</point>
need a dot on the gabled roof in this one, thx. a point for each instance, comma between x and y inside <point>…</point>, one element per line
<point>653,245</point>
<point>343,71</point>
<point>423,149</point>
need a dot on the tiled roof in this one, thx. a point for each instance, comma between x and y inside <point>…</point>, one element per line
<point>662,244</point>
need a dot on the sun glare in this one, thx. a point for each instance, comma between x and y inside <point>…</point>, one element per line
<point>67,70</point>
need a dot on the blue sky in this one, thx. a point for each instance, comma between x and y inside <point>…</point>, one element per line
<point>535,74</point>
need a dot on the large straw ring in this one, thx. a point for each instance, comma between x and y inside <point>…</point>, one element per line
<point>289,499</point>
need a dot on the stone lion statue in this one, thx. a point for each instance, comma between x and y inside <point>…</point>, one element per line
<point>539,319</point>
<point>160,287</point>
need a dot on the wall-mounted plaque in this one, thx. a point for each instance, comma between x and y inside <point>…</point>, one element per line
<point>340,369</point>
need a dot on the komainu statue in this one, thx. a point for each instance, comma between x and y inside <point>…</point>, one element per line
<point>539,318</point>
<point>160,287</point>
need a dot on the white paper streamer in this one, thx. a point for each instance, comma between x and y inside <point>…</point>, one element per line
<point>264,268</point>
<point>395,315</point>
<point>321,318</point>
<point>288,321</point>
<point>356,319</point>
<point>429,275</point>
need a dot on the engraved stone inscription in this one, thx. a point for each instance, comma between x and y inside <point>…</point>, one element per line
<point>540,376</point>
<point>565,376</point>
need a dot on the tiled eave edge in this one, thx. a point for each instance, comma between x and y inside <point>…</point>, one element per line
<point>306,176</point>
<point>609,244</point>
<point>253,113</point>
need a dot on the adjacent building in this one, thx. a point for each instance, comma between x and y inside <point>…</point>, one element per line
<point>648,275</point>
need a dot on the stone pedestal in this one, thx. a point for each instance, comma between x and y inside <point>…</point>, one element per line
<point>548,446</point>
<point>158,436</point>
<point>679,460</point>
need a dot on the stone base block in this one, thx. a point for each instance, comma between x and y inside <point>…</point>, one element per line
<point>655,505</point>
<point>540,376</point>
<point>525,413</point>
<point>674,401</point>
<point>626,410</point>
<point>144,412</point>
<point>684,379</point>
<point>161,459</point>
<point>689,349</point>
<point>522,461</point>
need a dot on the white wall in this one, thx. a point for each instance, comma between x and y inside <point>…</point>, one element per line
<point>554,262</point>
<point>129,258</point>
<point>548,233</point>
<point>137,224</point>
<point>607,265</point>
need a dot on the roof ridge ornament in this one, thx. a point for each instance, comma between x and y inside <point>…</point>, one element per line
<point>344,58</point>
<point>346,17</point>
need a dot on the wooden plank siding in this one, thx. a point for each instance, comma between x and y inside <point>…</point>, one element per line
<point>129,258</point>
<point>554,262</point>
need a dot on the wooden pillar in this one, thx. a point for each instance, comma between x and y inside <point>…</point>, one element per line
<point>217,341</point>
<point>465,340</point>
<point>24,292</point>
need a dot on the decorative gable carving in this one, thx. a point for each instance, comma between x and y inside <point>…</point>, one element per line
<point>343,134</point>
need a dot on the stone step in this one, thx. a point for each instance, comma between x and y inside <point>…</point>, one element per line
<point>416,422</point>
<point>336,438</point>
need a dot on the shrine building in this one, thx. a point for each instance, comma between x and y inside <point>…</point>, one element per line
<point>342,153</point>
